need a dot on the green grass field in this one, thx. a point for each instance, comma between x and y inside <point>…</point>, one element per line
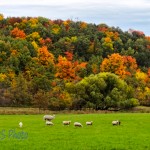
<point>132,134</point>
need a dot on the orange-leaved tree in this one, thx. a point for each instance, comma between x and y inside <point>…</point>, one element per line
<point>68,69</point>
<point>131,65</point>
<point>45,57</point>
<point>17,33</point>
<point>119,65</point>
<point>114,64</point>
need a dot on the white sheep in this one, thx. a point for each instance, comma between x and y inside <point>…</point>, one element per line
<point>49,117</point>
<point>49,123</point>
<point>89,122</point>
<point>116,122</point>
<point>20,124</point>
<point>66,122</point>
<point>78,124</point>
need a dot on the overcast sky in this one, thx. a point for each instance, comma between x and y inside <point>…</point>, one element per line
<point>125,14</point>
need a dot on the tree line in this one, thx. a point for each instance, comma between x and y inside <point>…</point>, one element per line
<point>59,64</point>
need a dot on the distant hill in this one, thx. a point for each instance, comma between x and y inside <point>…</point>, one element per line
<point>39,56</point>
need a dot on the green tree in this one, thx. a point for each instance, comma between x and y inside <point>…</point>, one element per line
<point>19,91</point>
<point>103,91</point>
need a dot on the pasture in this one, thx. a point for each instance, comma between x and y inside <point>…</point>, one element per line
<point>132,134</point>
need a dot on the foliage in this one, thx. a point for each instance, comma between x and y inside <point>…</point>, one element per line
<point>38,51</point>
<point>103,91</point>
<point>19,94</point>
<point>41,100</point>
<point>120,65</point>
<point>68,70</point>
<point>18,33</point>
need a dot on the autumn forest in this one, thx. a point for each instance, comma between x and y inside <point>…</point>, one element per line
<point>57,65</point>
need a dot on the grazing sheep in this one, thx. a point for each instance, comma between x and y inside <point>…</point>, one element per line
<point>49,117</point>
<point>49,123</point>
<point>20,124</point>
<point>89,122</point>
<point>116,122</point>
<point>66,122</point>
<point>78,124</point>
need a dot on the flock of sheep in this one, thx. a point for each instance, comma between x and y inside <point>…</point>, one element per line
<point>49,118</point>
<point>48,121</point>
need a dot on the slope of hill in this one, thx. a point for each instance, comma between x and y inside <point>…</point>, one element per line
<point>39,57</point>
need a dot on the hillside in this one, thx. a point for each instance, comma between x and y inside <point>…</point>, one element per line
<point>47,63</point>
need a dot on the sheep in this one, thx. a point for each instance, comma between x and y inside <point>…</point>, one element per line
<point>89,122</point>
<point>20,124</point>
<point>66,122</point>
<point>78,124</point>
<point>116,122</point>
<point>49,117</point>
<point>49,123</point>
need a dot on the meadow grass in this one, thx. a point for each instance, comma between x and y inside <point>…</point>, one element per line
<point>132,134</point>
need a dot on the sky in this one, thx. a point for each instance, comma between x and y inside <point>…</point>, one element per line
<point>125,14</point>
